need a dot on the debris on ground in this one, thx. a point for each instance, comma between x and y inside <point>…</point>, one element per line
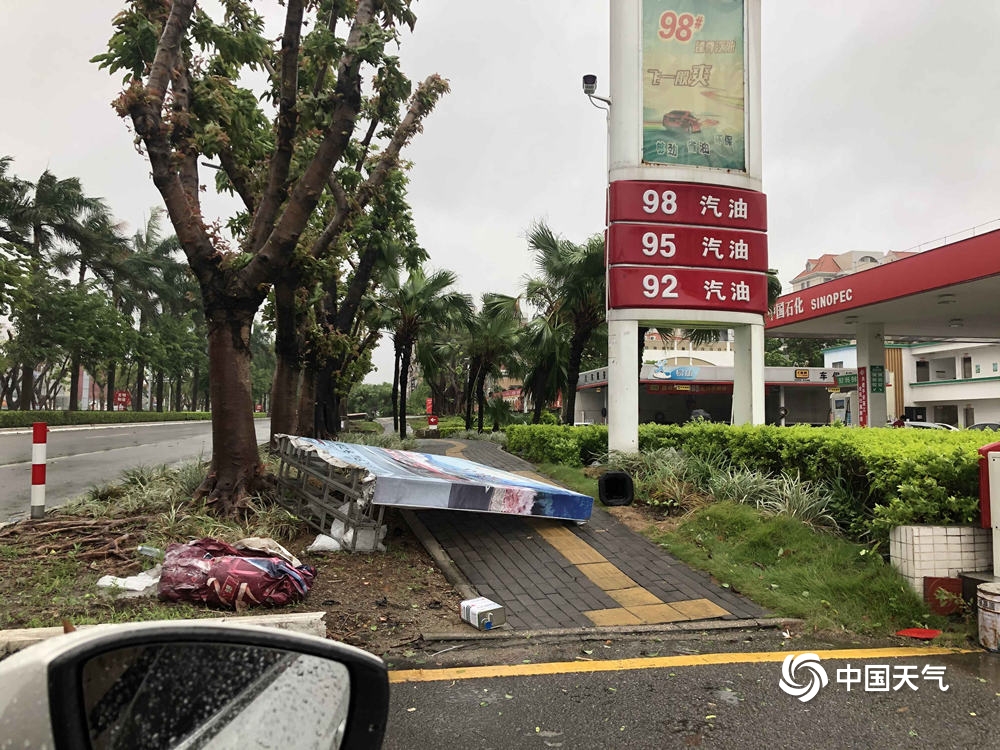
<point>142,584</point>
<point>212,572</point>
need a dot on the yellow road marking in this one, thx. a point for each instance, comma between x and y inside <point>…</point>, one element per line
<point>656,662</point>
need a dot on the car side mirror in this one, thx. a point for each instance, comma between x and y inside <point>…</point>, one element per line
<point>192,685</point>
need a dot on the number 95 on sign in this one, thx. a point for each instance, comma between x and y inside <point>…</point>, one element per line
<point>686,288</point>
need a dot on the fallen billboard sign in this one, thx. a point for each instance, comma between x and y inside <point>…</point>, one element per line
<point>407,479</point>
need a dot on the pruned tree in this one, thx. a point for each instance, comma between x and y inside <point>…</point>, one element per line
<point>187,98</point>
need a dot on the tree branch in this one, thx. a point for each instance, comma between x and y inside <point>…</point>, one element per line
<point>277,180</point>
<point>421,103</point>
<point>239,176</point>
<point>280,244</point>
<point>168,48</point>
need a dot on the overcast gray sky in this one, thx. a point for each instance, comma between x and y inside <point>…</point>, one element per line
<point>880,123</point>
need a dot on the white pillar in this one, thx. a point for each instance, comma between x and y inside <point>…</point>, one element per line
<point>748,380</point>
<point>625,138</point>
<point>871,351</point>
<point>623,386</point>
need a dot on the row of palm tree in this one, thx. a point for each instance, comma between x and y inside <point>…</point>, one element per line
<point>78,293</point>
<point>538,336</point>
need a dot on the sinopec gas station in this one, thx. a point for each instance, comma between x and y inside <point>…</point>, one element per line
<point>687,243</point>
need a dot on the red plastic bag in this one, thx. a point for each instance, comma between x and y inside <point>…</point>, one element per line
<point>215,573</point>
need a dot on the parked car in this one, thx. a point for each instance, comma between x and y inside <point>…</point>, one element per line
<point>681,119</point>
<point>931,425</point>
<point>985,426</point>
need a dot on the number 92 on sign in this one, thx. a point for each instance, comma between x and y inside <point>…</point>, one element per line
<point>667,287</point>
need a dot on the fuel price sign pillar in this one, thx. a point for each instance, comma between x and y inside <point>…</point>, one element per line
<point>686,242</point>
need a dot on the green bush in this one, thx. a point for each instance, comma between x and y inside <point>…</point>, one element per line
<point>871,479</point>
<point>542,443</point>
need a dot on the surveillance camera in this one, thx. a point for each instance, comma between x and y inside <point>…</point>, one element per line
<point>590,84</point>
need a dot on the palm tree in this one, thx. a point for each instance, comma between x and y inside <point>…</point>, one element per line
<point>167,284</point>
<point>493,337</point>
<point>569,292</point>
<point>40,219</point>
<point>411,307</point>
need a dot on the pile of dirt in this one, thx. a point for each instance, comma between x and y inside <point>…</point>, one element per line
<point>379,602</point>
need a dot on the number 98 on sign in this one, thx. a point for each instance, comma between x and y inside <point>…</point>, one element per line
<point>686,288</point>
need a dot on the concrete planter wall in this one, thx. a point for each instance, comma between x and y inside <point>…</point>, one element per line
<point>919,552</point>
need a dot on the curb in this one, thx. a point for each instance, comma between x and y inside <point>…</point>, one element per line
<point>445,563</point>
<point>310,623</point>
<point>506,634</point>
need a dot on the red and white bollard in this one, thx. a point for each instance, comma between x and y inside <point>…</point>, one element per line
<point>39,435</point>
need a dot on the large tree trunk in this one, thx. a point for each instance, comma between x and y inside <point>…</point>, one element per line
<point>288,355</point>
<point>176,392</point>
<point>285,397</point>
<point>236,468</point>
<point>308,406</point>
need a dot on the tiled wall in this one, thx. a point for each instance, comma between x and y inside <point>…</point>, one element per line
<point>946,551</point>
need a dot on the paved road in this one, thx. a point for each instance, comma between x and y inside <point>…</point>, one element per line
<point>685,704</point>
<point>82,457</point>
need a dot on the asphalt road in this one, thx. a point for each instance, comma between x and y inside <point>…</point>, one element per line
<point>729,705</point>
<point>82,457</point>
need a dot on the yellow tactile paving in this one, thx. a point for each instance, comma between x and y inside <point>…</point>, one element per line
<point>657,614</point>
<point>633,597</point>
<point>639,606</point>
<point>606,618</point>
<point>606,576</point>
<point>699,609</point>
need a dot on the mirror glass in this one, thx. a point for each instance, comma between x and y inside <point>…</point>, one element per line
<point>214,695</point>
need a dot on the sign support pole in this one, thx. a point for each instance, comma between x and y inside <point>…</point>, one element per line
<point>623,386</point>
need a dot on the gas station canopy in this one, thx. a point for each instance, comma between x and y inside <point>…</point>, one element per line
<point>948,293</point>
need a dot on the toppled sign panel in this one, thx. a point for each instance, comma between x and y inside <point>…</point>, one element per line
<point>407,479</point>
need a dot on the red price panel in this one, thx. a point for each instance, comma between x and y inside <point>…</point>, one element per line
<point>686,288</point>
<point>687,203</point>
<point>680,245</point>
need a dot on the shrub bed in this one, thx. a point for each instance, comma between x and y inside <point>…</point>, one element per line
<point>879,477</point>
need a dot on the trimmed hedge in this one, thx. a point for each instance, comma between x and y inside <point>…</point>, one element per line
<point>884,477</point>
<point>56,418</point>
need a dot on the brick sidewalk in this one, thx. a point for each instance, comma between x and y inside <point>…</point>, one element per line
<point>553,574</point>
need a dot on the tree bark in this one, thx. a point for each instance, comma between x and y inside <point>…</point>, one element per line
<point>288,356</point>
<point>74,383</point>
<point>307,405</point>
<point>481,396</point>
<point>159,391</point>
<point>285,397</point>
<point>195,377</point>
<point>27,387</point>
<point>237,470</point>
<point>405,369</point>
<point>110,400</point>
<point>395,389</point>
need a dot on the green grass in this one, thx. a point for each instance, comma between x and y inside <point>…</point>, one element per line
<point>795,571</point>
